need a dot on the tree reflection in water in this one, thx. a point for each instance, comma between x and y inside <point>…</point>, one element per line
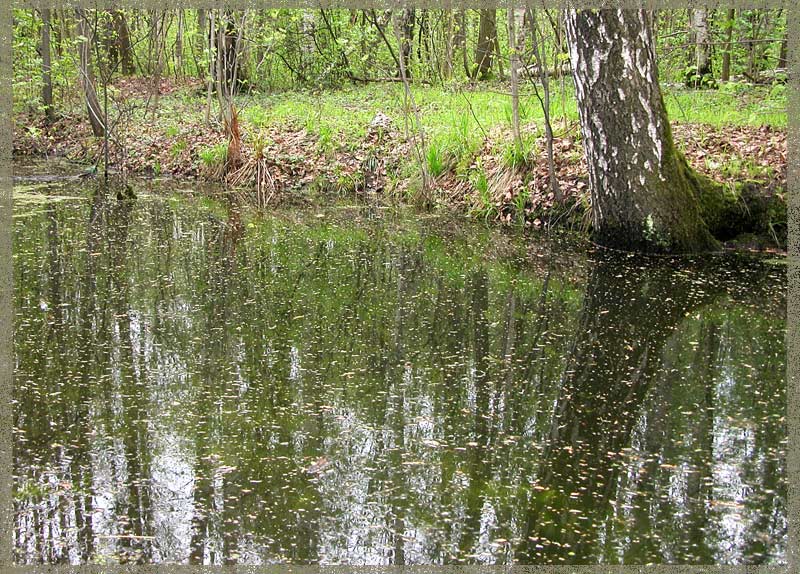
<point>206,389</point>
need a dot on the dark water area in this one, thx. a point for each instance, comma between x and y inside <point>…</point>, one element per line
<point>358,387</point>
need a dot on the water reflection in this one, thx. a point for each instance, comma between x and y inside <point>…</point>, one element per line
<point>194,387</point>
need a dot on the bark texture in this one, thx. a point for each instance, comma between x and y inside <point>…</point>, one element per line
<point>644,195</point>
<point>86,74</point>
<point>700,71</point>
<point>487,34</point>
<point>405,23</point>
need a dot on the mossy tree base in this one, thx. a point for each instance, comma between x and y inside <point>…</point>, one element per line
<point>644,196</point>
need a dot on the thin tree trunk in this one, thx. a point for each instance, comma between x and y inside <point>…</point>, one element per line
<point>725,74</point>
<point>499,54</point>
<point>514,19</point>
<point>754,21</point>
<point>47,80</point>
<point>417,139</point>
<point>156,55</point>
<point>449,35</point>
<point>307,31</point>
<point>782,61</point>
<point>202,35</point>
<point>539,54</point>
<point>211,61</point>
<point>460,39</point>
<point>179,45</point>
<point>644,194</point>
<point>86,74</point>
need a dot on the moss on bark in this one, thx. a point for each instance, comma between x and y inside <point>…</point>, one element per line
<point>746,208</point>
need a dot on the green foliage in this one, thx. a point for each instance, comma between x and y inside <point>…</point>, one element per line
<point>27,63</point>
<point>485,207</point>
<point>258,116</point>
<point>693,79</point>
<point>744,168</point>
<point>325,142</point>
<point>435,159</point>
<point>514,156</point>
<point>735,103</point>
<point>260,142</point>
<point>178,147</point>
<point>213,156</point>
<point>523,109</point>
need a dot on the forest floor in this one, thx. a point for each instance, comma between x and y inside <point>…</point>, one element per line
<point>303,146</point>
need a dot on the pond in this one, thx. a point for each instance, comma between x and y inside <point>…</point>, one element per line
<point>358,386</point>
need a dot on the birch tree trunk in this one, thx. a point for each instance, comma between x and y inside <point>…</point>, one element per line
<point>644,195</point>
<point>307,31</point>
<point>86,75</point>
<point>515,18</point>
<point>701,55</point>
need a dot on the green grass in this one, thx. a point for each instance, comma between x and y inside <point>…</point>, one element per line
<point>456,119</point>
<point>731,104</point>
<point>213,156</point>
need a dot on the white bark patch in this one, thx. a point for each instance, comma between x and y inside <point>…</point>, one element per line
<point>652,126</point>
<point>594,70</point>
<point>635,125</point>
<point>627,58</point>
<point>596,56</point>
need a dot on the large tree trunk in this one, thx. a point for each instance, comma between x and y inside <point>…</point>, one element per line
<point>644,195</point>
<point>47,80</point>
<point>86,75</point>
<point>487,34</point>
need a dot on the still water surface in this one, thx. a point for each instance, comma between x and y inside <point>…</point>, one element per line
<point>197,387</point>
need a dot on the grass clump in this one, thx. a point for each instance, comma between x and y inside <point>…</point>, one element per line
<point>213,158</point>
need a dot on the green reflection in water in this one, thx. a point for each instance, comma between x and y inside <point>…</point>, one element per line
<point>196,386</point>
